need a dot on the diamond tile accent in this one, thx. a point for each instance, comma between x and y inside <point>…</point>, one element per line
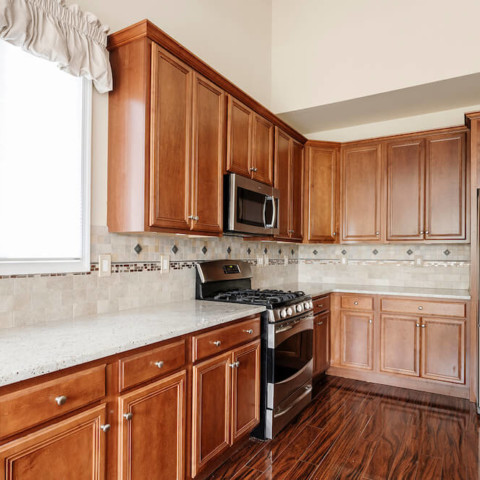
<point>292,251</point>
<point>375,252</point>
<point>138,248</point>
<point>204,250</point>
<point>229,250</point>
<point>409,251</point>
<point>280,252</point>
<point>174,249</point>
<point>249,250</point>
<point>344,252</point>
<point>315,252</point>
<point>447,252</point>
<point>265,251</point>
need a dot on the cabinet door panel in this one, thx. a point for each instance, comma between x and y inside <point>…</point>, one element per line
<point>283,181</point>
<point>262,154</point>
<point>446,188</point>
<point>208,155</point>
<point>246,389</point>
<point>400,345</point>
<point>296,202</point>
<point>443,349</point>
<point>153,441</point>
<point>239,138</point>
<point>170,137</point>
<point>73,449</point>
<point>211,410</point>
<point>321,351</point>
<point>322,194</point>
<point>356,339</point>
<point>405,190</point>
<point>361,193</point>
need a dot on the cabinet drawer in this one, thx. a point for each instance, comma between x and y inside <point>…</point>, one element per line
<point>224,338</point>
<point>321,304</point>
<point>33,405</point>
<point>152,364</point>
<point>357,302</point>
<point>423,307</point>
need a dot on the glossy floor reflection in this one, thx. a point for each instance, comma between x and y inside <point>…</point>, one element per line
<point>359,430</point>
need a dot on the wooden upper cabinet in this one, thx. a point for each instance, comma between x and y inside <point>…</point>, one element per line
<point>322,194</point>
<point>209,123</point>
<point>73,448</point>
<point>262,150</point>
<point>446,187</point>
<point>405,190</point>
<point>361,191</point>
<point>297,169</point>
<point>282,182</point>
<point>239,138</point>
<point>152,430</point>
<point>170,137</point>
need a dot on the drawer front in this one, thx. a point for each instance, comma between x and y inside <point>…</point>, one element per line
<point>321,304</point>
<point>152,364</point>
<point>34,405</point>
<point>357,302</point>
<point>424,307</point>
<point>224,338</point>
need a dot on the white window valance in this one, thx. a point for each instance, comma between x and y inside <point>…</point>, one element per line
<point>64,34</point>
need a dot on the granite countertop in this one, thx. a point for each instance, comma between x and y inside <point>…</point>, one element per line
<point>27,352</point>
<point>316,289</point>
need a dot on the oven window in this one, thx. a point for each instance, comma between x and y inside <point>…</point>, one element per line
<point>250,208</point>
<point>292,355</point>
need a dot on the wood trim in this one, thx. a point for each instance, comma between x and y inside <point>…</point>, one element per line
<point>145,28</point>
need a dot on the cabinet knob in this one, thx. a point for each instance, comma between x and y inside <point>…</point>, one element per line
<point>334,234</point>
<point>355,303</point>
<point>128,416</point>
<point>159,364</point>
<point>217,343</point>
<point>253,169</point>
<point>377,233</point>
<point>105,428</point>
<point>423,326</point>
<point>426,232</point>
<point>319,323</point>
<point>61,400</point>
<point>370,320</point>
<point>422,232</point>
<point>417,324</point>
<point>193,217</point>
<point>249,331</point>
<point>235,364</point>
<point>420,307</point>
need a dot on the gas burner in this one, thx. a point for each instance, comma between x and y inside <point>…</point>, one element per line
<point>269,298</point>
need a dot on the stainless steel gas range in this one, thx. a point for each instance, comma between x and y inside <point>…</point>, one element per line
<point>287,339</point>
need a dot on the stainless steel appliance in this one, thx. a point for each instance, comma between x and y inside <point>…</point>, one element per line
<point>287,339</point>
<point>250,207</point>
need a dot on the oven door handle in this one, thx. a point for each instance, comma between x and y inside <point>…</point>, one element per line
<point>283,411</point>
<point>284,332</point>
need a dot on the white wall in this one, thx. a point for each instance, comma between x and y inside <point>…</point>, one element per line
<point>326,51</point>
<point>228,34</point>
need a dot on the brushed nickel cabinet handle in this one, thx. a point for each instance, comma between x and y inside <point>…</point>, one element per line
<point>61,400</point>
<point>234,365</point>
<point>105,428</point>
<point>217,343</point>
<point>159,364</point>
<point>319,323</point>
<point>128,416</point>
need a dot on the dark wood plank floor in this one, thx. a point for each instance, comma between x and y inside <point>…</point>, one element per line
<point>359,430</point>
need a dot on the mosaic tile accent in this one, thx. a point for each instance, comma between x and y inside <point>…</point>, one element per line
<point>409,251</point>
<point>174,249</point>
<point>204,250</point>
<point>138,248</point>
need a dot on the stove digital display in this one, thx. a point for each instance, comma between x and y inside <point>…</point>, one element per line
<point>231,269</point>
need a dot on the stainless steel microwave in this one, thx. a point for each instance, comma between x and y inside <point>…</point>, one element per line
<point>250,207</point>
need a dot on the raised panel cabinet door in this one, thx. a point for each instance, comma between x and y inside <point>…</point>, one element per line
<point>445,200</point>
<point>72,449</point>
<point>208,151</point>
<point>262,152</point>
<point>152,430</point>
<point>239,138</point>
<point>170,138</point>
<point>296,208</point>
<point>245,389</point>
<point>405,190</point>
<point>400,344</point>
<point>321,194</point>
<point>212,399</point>
<point>321,343</point>
<point>361,173</point>
<point>356,340</point>
<point>283,153</point>
<point>443,349</point>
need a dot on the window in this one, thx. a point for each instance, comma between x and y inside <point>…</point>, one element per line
<point>45,122</point>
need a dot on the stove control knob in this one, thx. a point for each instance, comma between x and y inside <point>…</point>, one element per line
<point>283,313</point>
<point>289,311</point>
<point>306,305</point>
<point>299,308</point>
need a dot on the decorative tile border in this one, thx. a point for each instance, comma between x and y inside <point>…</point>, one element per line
<point>391,262</point>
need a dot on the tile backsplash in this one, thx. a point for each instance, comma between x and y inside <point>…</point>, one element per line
<point>136,279</point>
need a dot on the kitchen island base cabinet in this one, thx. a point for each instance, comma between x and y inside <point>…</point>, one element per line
<point>152,430</point>
<point>72,449</point>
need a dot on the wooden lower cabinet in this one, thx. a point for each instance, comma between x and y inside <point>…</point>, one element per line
<point>223,408</point>
<point>321,343</point>
<point>356,339</point>
<point>152,430</point>
<point>72,449</point>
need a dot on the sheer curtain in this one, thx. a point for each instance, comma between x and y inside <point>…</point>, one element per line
<point>50,29</point>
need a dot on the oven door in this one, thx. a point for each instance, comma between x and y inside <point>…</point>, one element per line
<point>290,361</point>
<point>252,207</point>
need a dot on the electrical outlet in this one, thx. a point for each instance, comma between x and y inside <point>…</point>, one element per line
<point>260,261</point>
<point>104,265</point>
<point>344,260</point>
<point>165,260</point>
<point>418,260</point>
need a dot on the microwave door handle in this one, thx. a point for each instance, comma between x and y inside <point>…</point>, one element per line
<point>274,211</point>
<point>265,211</point>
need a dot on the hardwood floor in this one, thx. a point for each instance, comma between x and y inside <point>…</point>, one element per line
<point>359,430</point>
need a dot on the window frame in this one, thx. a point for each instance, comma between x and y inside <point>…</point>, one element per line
<point>82,264</point>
